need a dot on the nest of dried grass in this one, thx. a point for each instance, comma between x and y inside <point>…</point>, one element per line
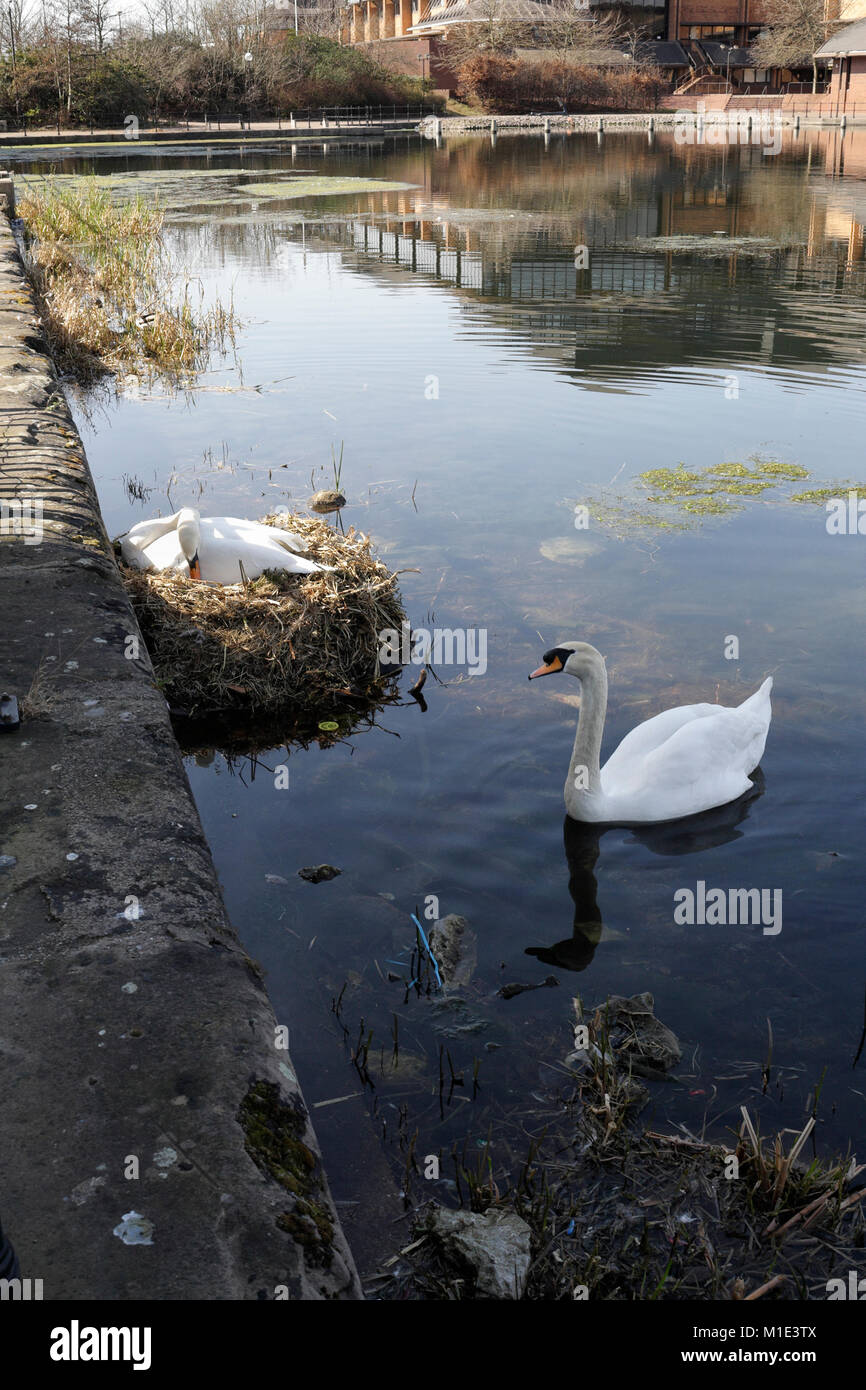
<point>282,642</point>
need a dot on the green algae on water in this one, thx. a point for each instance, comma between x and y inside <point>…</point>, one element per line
<point>818,495</point>
<point>321,186</point>
<point>179,190</point>
<point>695,495</point>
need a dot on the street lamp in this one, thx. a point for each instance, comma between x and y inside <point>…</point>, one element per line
<point>248,58</point>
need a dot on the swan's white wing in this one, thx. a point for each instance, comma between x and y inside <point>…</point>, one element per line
<point>133,554</point>
<point>254,533</point>
<point>226,540</point>
<point>144,533</point>
<point>704,763</point>
<point>290,540</point>
<point>166,553</point>
<point>652,733</point>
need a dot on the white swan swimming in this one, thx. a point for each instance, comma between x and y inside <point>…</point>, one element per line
<point>212,548</point>
<point>679,763</point>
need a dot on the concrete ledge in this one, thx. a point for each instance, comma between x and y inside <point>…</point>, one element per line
<point>135,1033</point>
<point>615,121</point>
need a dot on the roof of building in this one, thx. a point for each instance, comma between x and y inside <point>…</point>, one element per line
<point>666,52</point>
<point>479,12</point>
<point>601,57</point>
<point>848,41</point>
<point>722,55</point>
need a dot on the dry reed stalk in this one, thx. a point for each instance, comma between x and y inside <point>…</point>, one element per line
<point>104,287</point>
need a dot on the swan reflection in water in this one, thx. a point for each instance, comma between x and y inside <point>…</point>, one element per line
<point>691,835</point>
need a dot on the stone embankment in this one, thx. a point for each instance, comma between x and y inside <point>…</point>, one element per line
<point>700,113</point>
<point>154,1142</point>
<point>459,125</point>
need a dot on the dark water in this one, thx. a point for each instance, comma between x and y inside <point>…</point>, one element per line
<point>482,386</point>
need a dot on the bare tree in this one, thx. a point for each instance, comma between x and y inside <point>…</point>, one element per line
<point>70,28</point>
<point>574,31</point>
<point>48,38</point>
<point>795,31</point>
<point>18,22</point>
<point>318,17</point>
<point>95,16</point>
<point>483,26</point>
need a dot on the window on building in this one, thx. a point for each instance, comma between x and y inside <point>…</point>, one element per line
<point>718,33</point>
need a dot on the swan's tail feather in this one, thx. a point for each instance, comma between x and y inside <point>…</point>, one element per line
<point>760,697</point>
<point>292,542</point>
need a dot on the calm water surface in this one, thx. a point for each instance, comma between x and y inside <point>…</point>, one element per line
<point>482,386</point>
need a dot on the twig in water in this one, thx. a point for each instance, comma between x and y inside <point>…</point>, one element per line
<point>427,948</point>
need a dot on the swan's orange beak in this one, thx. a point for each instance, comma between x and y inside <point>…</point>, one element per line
<point>194,568</point>
<point>554,665</point>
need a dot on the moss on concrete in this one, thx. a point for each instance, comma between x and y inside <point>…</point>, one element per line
<point>274,1132</point>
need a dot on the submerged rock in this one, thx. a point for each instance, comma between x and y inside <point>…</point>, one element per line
<point>570,550</point>
<point>319,873</point>
<point>456,1017</point>
<point>494,1247</point>
<point>328,500</point>
<point>636,1037</point>
<point>454,944</point>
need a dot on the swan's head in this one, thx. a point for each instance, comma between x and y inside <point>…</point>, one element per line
<point>189,535</point>
<point>577,658</point>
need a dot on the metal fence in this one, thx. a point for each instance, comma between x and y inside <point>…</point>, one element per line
<point>319,116</point>
<point>363,115</point>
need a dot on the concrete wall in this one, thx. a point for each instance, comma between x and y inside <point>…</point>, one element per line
<point>134,1030</point>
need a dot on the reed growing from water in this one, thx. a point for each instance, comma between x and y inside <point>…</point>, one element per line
<point>109,298</point>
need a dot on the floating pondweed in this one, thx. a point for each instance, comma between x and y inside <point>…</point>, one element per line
<point>694,494</point>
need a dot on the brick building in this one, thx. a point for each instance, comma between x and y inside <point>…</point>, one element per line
<point>733,23</point>
<point>847,52</point>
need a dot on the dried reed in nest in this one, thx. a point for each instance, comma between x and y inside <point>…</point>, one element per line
<point>282,641</point>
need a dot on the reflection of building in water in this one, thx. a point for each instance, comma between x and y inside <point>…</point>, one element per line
<point>635,309</point>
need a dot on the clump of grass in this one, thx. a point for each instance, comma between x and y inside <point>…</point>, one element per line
<point>793,1195</point>
<point>301,642</point>
<point>40,698</point>
<point>620,1211</point>
<point>105,289</point>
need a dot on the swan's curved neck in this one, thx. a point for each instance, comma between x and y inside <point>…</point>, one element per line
<point>584,770</point>
<point>188,532</point>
